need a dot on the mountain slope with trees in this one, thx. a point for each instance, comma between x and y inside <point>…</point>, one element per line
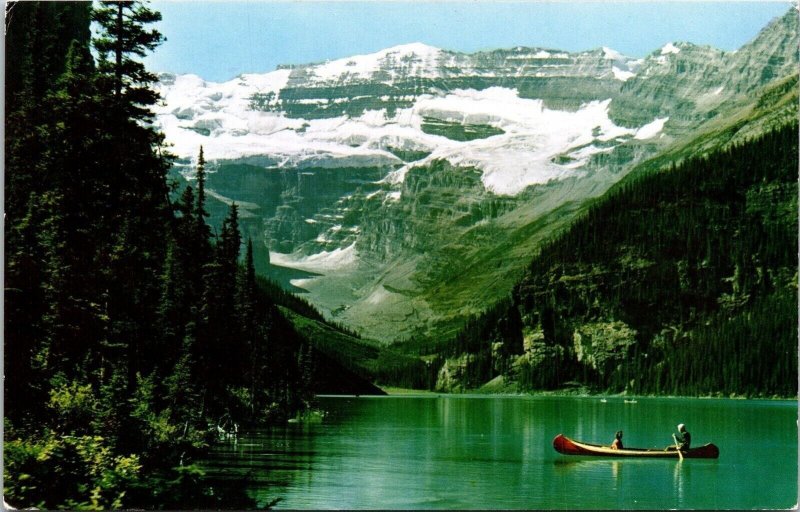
<point>679,281</point>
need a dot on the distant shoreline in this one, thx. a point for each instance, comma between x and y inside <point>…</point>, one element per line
<point>396,391</point>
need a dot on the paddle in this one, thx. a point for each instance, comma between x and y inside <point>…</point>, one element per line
<point>677,446</point>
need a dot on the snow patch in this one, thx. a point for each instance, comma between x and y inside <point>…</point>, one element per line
<point>611,54</point>
<point>585,152</point>
<point>302,282</point>
<point>650,130</point>
<point>622,75</point>
<point>669,48</point>
<point>337,259</point>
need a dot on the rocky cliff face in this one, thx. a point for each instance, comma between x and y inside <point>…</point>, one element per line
<point>393,78</point>
<point>692,84</point>
<point>770,56</point>
<point>603,346</point>
<point>415,182</point>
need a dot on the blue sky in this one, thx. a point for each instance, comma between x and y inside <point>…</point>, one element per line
<point>221,39</point>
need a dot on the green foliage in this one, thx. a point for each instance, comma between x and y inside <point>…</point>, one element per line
<point>67,472</point>
<point>735,360</point>
<point>182,487</point>
<point>155,426</point>
<point>348,364</point>
<point>74,406</point>
<point>395,369</point>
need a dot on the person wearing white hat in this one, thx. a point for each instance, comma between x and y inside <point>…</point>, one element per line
<point>684,437</point>
<point>682,441</point>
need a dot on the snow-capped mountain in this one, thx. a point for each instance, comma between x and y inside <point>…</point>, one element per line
<point>410,96</point>
<point>389,174</point>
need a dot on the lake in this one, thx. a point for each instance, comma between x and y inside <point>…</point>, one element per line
<point>462,451</point>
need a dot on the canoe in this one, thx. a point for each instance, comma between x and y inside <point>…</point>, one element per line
<point>567,446</point>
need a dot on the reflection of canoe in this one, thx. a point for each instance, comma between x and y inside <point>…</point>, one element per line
<point>567,446</point>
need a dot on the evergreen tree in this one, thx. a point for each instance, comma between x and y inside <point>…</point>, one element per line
<point>201,189</point>
<point>253,334</point>
<point>246,303</point>
<point>230,241</point>
<point>137,168</point>
<point>193,238</point>
<point>124,36</point>
<point>221,337</point>
<point>173,311</point>
<point>202,233</point>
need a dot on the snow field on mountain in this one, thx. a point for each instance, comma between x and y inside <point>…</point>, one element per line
<point>336,259</point>
<point>534,135</point>
<point>651,129</point>
<point>219,117</point>
<point>415,59</point>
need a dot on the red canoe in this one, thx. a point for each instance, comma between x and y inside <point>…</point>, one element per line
<point>567,446</point>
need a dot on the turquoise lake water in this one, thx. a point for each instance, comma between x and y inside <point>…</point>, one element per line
<point>490,452</point>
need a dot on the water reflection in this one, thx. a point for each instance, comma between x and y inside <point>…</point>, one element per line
<point>615,469</point>
<point>611,467</point>
<point>265,462</point>
<point>468,452</point>
<point>678,480</point>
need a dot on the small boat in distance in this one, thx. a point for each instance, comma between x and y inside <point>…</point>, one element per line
<point>567,446</point>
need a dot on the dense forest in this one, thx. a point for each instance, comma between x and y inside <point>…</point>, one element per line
<point>681,281</point>
<point>134,336</point>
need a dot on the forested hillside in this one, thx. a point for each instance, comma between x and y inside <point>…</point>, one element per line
<point>680,281</point>
<point>134,336</point>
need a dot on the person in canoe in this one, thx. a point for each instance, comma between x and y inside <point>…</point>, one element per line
<point>683,440</point>
<point>616,444</point>
<point>684,437</point>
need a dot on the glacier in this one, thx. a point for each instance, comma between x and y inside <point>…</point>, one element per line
<point>221,118</point>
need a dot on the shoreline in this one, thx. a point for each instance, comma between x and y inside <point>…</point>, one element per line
<point>397,391</point>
